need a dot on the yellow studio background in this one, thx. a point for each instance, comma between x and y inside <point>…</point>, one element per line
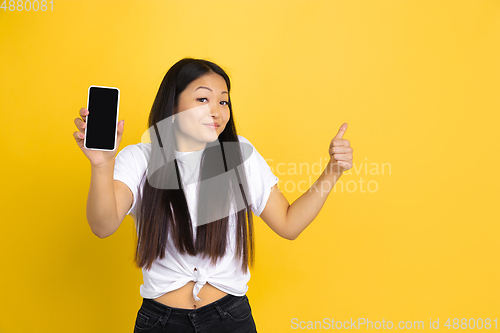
<point>410,233</point>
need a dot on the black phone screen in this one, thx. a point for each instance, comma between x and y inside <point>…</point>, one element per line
<point>102,104</point>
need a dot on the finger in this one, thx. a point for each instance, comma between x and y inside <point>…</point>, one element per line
<point>341,149</point>
<point>84,113</point>
<point>78,136</point>
<point>120,127</point>
<point>341,132</point>
<point>344,165</point>
<point>341,142</point>
<point>80,124</point>
<point>342,157</point>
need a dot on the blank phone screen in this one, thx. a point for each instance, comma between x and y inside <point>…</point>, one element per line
<point>102,117</point>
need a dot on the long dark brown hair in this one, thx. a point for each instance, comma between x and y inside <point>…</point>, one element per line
<point>156,221</point>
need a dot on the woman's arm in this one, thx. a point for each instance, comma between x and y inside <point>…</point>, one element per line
<point>289,221</point>
<point>108,202</point>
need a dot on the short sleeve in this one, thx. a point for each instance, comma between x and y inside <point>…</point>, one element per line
<point>260,179</point>
<point>127,170</point>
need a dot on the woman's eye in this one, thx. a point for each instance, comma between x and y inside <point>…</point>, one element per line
<point>200,99</point>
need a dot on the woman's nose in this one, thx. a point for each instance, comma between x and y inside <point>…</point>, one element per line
<point>214,111</point>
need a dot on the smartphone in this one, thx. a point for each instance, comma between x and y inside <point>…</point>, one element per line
<point>102,120</point>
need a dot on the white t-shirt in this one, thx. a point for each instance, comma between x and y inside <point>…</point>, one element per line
<point>175,270</point>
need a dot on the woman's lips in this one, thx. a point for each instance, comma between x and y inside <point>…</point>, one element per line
<point>211,126</point>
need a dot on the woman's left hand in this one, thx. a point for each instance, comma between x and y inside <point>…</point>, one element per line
<point>340,153</point>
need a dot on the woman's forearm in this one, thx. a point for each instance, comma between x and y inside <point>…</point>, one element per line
<point>101,203</point>
<point>305,209</point>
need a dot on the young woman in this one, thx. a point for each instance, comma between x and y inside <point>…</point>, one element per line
<point>190,192</point>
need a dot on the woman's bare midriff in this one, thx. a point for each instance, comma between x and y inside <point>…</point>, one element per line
<point>183,297</point>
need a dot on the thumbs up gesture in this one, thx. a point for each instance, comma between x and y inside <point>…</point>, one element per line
<point>340,153</point>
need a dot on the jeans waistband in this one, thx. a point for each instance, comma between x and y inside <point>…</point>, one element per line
<point>215,307</point>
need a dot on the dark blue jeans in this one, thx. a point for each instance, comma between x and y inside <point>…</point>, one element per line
<point>231,314</point>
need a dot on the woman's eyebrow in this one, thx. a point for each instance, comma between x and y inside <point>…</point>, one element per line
<point>224,92</point>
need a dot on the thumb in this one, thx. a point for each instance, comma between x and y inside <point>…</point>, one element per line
<point>119,131</point>
<point>121,125</point>
<point>341,132</point>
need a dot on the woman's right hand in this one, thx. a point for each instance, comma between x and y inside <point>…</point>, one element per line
<point>96,157</point>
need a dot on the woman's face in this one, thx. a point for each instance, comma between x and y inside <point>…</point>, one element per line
<point>203,102</point>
